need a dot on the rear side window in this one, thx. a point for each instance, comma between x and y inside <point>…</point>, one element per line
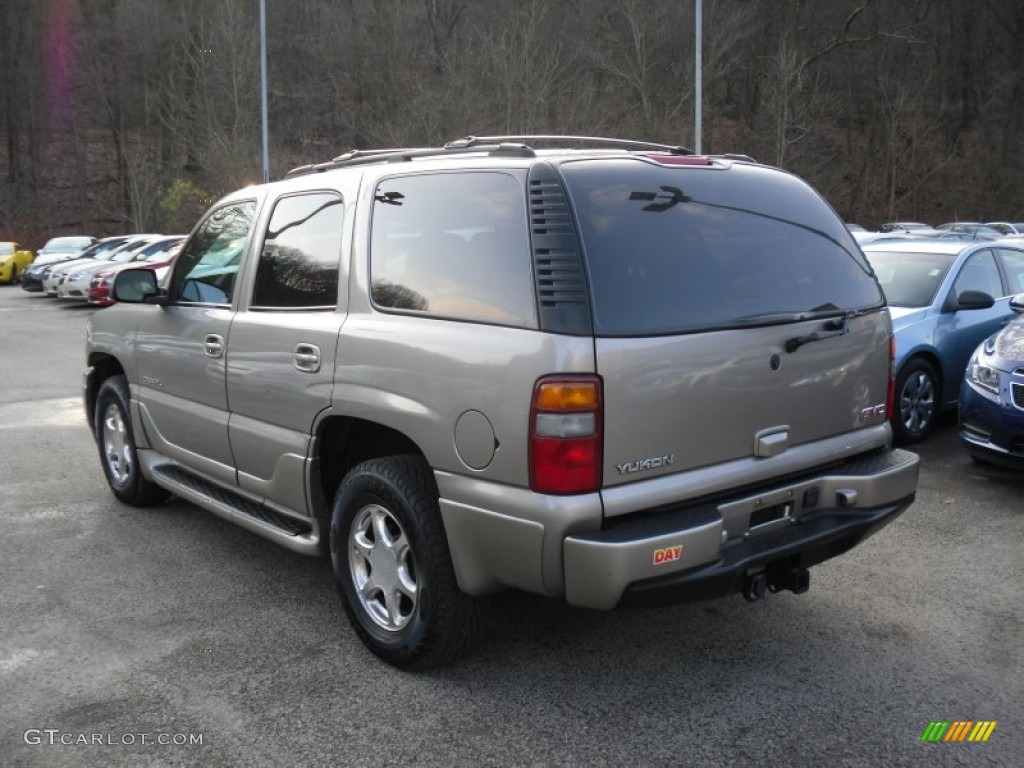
<point>453,245</point>
<point>298,266</point>
<point>979,273</point>
<point>1013,264</point>
<point>673,250</point>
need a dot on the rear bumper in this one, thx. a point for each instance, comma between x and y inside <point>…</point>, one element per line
<point>710,550</point>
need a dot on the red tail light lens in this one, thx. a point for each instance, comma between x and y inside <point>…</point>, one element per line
<point>565,435</point>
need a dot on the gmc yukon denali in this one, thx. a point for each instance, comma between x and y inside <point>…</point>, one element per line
<point>608,371</point>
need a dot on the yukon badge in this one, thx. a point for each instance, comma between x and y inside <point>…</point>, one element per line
<point>642,465</point>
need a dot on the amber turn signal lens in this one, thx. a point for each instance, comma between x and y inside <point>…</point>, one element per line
<point>566,395</point>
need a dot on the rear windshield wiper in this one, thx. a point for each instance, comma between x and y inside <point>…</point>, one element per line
<point>837,326</point>
<point>783,318</point>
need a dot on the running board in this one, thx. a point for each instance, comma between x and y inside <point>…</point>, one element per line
<point>297,534</point>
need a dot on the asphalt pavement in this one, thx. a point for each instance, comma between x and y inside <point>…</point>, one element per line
<point>169,637</point>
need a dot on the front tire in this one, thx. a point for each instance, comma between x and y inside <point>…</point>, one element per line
<point>917,402</point>
<point>390,558</point>
<point>116,443</point>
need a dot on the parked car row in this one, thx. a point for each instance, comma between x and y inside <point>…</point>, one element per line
<point>88,274</point>
<point>986,229</point>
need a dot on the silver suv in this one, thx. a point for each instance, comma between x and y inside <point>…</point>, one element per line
<point>608,371</point>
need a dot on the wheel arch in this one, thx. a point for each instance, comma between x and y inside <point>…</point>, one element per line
<point>342,442</point>
<point>931,357</point>
<point>100,368</point>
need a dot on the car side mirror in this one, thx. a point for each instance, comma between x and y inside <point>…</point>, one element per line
<point>136,286</point>
<point>973,300</point>
<point>1017,303</point>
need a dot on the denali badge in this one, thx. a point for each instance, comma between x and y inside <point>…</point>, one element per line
<point>642,465</point>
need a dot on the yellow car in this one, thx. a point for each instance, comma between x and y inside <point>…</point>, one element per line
<point>13,260</point>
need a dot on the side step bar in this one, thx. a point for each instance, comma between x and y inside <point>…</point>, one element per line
<point>297,534</point>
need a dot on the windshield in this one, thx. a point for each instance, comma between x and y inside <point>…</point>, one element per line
<point>6,249</point>
<point>161,251</point>
<point>910,279</point>
<point>104,247</point>
<point>676,251</point>
<point>66,244</point>
<point>127,252</point>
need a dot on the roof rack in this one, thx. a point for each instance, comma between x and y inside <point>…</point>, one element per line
<point>494,145</point>
<point>470,141</point>
<point>367,156</point>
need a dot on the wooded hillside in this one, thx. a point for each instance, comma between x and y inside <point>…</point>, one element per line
<point>133,115</point>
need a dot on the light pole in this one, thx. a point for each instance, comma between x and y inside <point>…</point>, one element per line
<point>263,89</point>
<point>698,95</point>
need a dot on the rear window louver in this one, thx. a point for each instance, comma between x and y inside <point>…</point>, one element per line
<point>562,294</point>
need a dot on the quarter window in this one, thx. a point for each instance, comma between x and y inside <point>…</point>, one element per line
<point>209,262</point>
<point>301,254</point>
<point>453,245</point>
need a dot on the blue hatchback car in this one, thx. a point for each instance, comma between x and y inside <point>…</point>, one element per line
<point>945,298</point>
<point>992,396</point>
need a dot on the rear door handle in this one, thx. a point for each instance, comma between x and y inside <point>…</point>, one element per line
<point>213,345</point>
<point>307,358</point>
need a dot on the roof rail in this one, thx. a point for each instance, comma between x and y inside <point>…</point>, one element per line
<point>494,145</point>
<point>471,141</point>
<point>367,156</point>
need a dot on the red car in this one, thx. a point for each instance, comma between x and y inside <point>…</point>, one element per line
<point>158,256</point>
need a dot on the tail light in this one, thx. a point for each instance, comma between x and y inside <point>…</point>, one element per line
<point>890,400</point>
<point>566,420</point>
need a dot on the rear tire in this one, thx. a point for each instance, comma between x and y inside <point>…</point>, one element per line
<point>391,560</point>
<point>116,441</point>
<point>918,397</point>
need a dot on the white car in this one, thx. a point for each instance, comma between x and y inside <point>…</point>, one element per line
<point>63,248</point>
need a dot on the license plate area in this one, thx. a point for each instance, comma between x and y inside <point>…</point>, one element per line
<point>775,516</point>
<point>763,513</point>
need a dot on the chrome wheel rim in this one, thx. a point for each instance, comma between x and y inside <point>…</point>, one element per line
<point>116,449</point>
<point>382,567</point>
<point>917,401</point>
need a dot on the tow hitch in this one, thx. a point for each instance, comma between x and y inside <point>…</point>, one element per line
<point>758,583</point>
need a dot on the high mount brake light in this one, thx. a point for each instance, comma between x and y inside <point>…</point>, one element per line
<point>681,159</point>
<point>566,419</point>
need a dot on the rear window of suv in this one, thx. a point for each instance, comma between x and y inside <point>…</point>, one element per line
<point>673,250</point>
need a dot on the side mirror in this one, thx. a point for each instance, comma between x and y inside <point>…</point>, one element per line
<point>135,286</point>
<point>1017,303</point>
<point>973,300</point>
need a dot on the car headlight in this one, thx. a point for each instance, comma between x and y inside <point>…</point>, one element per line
<point>981,373</point>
